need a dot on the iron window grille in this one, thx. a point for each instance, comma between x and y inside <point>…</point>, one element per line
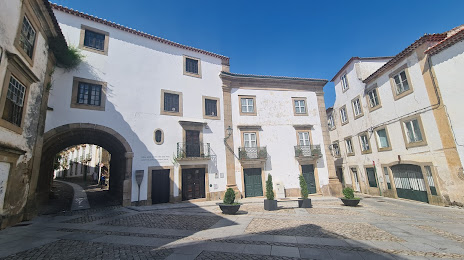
<point>191,66</point>
<point>211,107</point>
<point>27,37</point>
<point>171,102</point>
<point>94,40</point>
<point>14,103</point>
<point>89,94</point>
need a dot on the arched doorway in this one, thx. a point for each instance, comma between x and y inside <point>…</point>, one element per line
<point>65,136</point>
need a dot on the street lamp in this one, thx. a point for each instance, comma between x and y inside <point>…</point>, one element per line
<point>229,132</point>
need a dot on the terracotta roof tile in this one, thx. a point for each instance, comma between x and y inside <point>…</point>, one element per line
<point>453,38</point>
<point>225,60</point>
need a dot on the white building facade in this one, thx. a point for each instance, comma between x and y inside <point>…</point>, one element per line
<point>159,108</point>
<point>386,128</point>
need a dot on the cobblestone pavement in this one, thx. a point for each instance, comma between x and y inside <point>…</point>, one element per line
<point>381,228</point>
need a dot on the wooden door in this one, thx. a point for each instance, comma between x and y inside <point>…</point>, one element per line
<point>253,182</point>
<point>160,186</point>
<point>192,143</point>
<point>193,183</point>
<point>308,174</point>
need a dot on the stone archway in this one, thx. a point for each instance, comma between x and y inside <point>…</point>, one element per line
<point>65,136</point>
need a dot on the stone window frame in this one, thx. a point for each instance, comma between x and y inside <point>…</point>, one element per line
<point>368,142</point>
<point>361,113</point>
<point>218,108</point>
<point>352,146</point>
<point>82,36</point>
<point>304,99</point>
<point>332,115</point>
<point>368,99</point>
<point>339,150</point>
<point>75,89</point>
<point>391,76</point>
<point>303,130</point>
<point>377,140</point>
<point>18,69</point>
<point>346,114</point>
<point>162,136</point>
<point>344,75</point>
<point>255,109</point>
<point>185,57</point>
<point>26,11</point>
<point>170,113</point>
<point>421,127</point>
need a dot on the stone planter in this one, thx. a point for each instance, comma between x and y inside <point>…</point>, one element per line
<point>350,202</point>
<point>229,209</point>
<point>304,203</point>
<point>270,204</point>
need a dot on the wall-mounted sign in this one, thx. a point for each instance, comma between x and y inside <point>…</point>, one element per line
<point>139,177</point>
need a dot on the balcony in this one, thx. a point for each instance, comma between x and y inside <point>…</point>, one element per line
<point>194,151</point>
<point>252,155</point>
<point>307,153</point>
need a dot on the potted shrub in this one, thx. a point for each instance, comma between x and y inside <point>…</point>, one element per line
<point>270,203</point>
<point>303,202</point>
<point>229,206</point>
<point>349,199</point>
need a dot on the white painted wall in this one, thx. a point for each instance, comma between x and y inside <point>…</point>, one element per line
<point>447,66</point>
<point>136,69</point>
<point>390,110</point>
<point>276,117</point>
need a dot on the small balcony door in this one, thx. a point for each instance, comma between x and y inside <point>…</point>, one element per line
<point>303,138</point>
<point>250,143</point>
<point>192,143</point>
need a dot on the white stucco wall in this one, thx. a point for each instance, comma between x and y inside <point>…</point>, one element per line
<point>447,66</point>
<point>276,117</point>
<point>136,69</point>
<point>389,113</point>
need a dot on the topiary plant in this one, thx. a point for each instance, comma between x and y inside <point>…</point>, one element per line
<point>349,193</point>
<point>229,197</point>
<point>303,187</point>
<point>269,188</point>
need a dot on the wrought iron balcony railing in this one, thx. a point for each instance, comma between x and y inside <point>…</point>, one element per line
<point>308,151</point>
<point>245,153</point>
<point>193,150</point>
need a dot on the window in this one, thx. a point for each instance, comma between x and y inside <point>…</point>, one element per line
<point>373,99</point>
<point>94,40</point>
<point>158,136</point>
<point>171,103</point>
<point>364,140</point>
<point>27,37</point>
<point>354,171</point>
<point>299,106</point>
<point>344,82</point>
<point>349,146</point>
<point>89,94</point>
<point>336,149</point>
<point>211,108</point>
<point>383,143</point>
<point>249,140</point>
<point>303,139</point>
<point>330,121</point>
<point>247,105</point>
<point>387,177</point>
<point>357,109</point>
<point>400,82</point>
<point>370,172</point>
<point>14,103</point>
<point>428,171</point>
<point>343,115</point>
<point>192,67</point>
<point>413,132</point>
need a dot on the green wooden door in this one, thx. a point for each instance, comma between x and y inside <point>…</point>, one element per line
<point>308,174</point>
<point>253,183</point>
<point>409,182</point>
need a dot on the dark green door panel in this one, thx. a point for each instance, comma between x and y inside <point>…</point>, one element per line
<point>308,174</point>
<point>409,182</point>
<point>253,183</point>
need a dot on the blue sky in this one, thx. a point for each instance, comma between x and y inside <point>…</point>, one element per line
<point>284,38</point>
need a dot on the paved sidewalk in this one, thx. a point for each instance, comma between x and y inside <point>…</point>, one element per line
<point>380,228</point>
